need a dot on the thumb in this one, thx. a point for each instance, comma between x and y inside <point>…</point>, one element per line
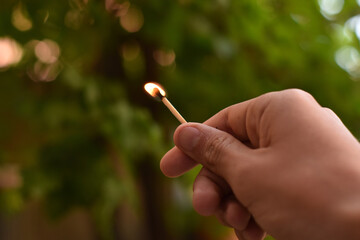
<point>216,150</point>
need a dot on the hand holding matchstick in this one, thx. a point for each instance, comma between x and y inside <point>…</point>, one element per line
<point>157,92</point>
<point>279,163</point>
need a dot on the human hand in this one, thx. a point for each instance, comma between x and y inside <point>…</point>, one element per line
<point>279,163</point>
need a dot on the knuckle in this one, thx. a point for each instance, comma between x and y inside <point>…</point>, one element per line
<point>330,111</point>
<point>288,95</point>
<point>297,95</point>
<point>292,98</point>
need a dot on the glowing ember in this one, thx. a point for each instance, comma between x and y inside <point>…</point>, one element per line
<point>154,89</point>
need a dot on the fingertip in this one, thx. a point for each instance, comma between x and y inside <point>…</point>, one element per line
<point>253,231</point>
<point>183,125</point>
<point>207,194</point>
<point>175,163</point>
<point>205,201</point>
<point>236,215</point>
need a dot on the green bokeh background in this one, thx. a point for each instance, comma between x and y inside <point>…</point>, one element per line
<point>83,134</point>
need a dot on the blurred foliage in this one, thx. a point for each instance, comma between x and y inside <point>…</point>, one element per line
<point>75,118</point>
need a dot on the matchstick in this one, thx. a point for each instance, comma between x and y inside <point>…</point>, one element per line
<point>157,92</point>
<point>173,110</point>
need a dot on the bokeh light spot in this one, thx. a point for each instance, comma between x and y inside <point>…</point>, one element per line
<point>119,9</point>
<point>47,51</point>
<point>122,9</point>
<point>11,52</point>
<point>133,20</point>
<point>44,72</point>
<point>348,58</point>
<point>164,57</point>
<point>20,19</point>
<point>330,8</point>
<point>354,25</point>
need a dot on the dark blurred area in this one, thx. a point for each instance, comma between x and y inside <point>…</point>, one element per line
<point>80,140</point>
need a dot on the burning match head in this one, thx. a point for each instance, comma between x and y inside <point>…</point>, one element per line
<point>155,90</point>
<point>158,92</point>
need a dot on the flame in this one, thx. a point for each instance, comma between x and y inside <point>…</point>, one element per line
<point>153,89</point>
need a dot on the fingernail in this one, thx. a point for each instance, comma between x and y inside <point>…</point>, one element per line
<point>188,138</point>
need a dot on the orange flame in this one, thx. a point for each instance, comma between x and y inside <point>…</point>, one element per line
<point>153,89</point>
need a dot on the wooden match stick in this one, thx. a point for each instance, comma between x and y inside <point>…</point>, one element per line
<point>173,110</point>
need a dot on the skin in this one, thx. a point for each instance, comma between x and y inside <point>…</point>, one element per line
<point>279,164</point>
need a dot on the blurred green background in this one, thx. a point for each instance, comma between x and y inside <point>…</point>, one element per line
<point>80,140</point>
